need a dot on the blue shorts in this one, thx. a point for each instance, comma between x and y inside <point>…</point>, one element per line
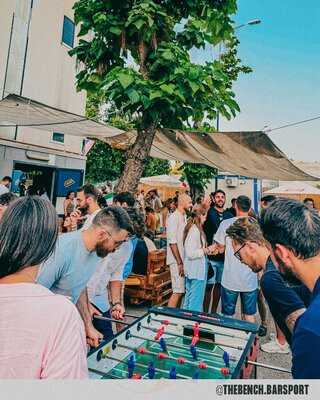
<point>218,270</point>
<point>229,301</point>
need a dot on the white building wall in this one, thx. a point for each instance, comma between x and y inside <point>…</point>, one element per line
<point>49,75</point>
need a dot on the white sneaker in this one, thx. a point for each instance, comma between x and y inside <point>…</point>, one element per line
<point>275,347</point>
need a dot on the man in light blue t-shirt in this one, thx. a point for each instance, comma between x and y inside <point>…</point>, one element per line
<point>77,255</point>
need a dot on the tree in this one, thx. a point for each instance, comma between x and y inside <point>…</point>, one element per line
<point>231,63</point>
<point>138,63</point>
<point>198,176</point>
<point>104,162</point>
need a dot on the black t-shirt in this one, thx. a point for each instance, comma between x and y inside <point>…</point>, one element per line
<point>211,225</point>
<point>140,258</point>
<point>282,299</point>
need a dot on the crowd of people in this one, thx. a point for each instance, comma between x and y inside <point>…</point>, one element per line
<point>59,292</point>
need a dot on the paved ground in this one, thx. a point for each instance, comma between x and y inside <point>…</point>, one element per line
<point>281,360</point>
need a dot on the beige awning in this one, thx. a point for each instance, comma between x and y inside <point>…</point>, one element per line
<point>20,111</point>
<point>251,154</point>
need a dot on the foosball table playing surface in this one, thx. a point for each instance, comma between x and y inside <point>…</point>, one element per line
<point>168,343</point>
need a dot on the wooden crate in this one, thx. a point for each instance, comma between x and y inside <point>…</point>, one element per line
<point>155,286</point>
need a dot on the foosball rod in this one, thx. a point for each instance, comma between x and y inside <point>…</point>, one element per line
<point>184,348</point>
<point>267,366</point>
<point>105,374</point>
<point>166,322</point>
<point>118,321</point>
<point>194,364</point>
<point>188,337</point>
<point>181,347</point>
<point>131,316</point>
<point>144,366</point>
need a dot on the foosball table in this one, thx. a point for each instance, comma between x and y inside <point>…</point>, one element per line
<point>168,343</point>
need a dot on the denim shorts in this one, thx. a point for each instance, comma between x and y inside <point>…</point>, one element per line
<point>229,301</point>
<point>217,266</point>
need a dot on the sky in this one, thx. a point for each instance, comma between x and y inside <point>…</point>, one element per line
<point>284,53</point>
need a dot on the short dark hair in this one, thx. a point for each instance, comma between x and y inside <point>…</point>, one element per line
<point>68,194</point>
<point>218,191</point>
<point>125,197</point>
<point>292,224</point>
<point>233,200</point>
<point>114,217</point>
<point>7,198</point>
<point>245,230</point>
<point>28,234</point>
<point>243,203</point>
<point>7,178</point>
<point>90,190</point>
<point>149,209</point>
<point>307,199</point>
<point>268,199</point>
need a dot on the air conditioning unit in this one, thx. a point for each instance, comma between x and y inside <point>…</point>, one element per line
<point>232,182</point>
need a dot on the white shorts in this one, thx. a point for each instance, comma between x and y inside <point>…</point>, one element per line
<point>177,281</point>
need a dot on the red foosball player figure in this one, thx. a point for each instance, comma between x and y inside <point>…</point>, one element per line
<point>160,332</point>
<point>195,338</point>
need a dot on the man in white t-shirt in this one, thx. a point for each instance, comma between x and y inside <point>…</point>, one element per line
<point>5,184</point>
<point>175,253</point>
<point>236,278</point>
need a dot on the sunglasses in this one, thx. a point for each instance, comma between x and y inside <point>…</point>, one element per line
<point>117,243</point>
<point>237,253</point>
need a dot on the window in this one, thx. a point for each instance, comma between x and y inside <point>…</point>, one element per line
<point>68,32</point>
<point>58,137</point>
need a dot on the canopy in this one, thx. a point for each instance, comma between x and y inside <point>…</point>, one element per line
<point>20,111</point>
<point>251,154</point>
<point>164,180</point>
<point>294,188</point>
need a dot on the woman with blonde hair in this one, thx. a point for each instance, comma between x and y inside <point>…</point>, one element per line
<point>195,261</point>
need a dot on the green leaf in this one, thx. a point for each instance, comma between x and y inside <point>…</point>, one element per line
<point>115,30</point>
<point>194,86</point>
<point>133,96</point>
<point>168,88</point>
<point>125,79</point>
<point>154,94</point>
<point>99,18</point>
<point>139,24</point>
<point>167,55</point>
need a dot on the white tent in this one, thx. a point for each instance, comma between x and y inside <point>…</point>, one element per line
<point>294,188</point>
<point>164,180</point>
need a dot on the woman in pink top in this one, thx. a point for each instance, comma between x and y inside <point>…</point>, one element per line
<point>41,334</point>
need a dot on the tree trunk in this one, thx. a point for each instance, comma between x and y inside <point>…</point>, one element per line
<point>196,191</point>
<point>136,157</point>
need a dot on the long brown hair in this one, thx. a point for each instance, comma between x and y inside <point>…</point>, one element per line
<point>195,219</point>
